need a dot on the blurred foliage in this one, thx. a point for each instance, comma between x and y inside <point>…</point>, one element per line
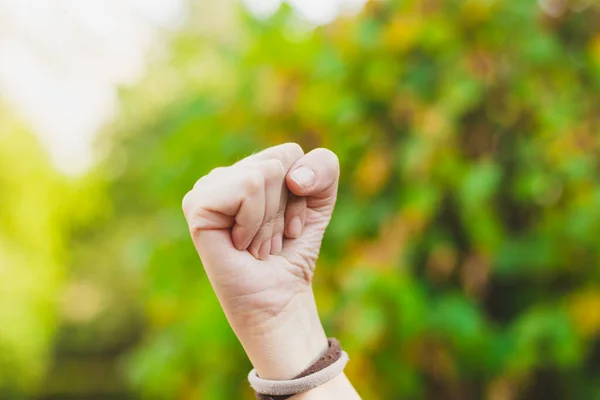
<point>32,242</point>
<point>462,260</point>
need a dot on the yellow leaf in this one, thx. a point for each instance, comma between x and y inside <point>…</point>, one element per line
<point>502,388</point>
<point>595,49</point>
<point>477,10</point>
<point>432,124</point>
<point>162,311</point>
<point>373,171</point>
<point>402,33</point>
<point>584,309</point>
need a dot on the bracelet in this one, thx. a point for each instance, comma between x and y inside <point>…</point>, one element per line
<point>330,365</point>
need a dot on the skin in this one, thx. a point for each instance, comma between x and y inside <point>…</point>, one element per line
<point>257,226</point>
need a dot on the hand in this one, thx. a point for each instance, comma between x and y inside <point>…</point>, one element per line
<point>258,227</point>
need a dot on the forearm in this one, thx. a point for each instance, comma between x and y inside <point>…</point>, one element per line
<point>258,226</point>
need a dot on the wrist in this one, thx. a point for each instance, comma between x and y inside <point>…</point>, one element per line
<point>286,344</point>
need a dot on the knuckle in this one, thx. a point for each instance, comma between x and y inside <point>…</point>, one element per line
<point>273,170</point>
<point>211,176</point>
<point>191,209</point>
<point>294,149</point>
<point>253,182</point>
<point>291,152</point>
<point>202,180</point>
<point>187,203</point>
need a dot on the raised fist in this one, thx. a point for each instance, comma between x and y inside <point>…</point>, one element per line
<point>258,227</point>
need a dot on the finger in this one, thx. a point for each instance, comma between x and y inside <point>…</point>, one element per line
<point>315,176</point>
<point>277,243</point>
<point>295,216</point>
<point>224,199</point>
<point>274,174</point>
<point>287,154</point>
<point>251,212</point>
<point>278,223</point>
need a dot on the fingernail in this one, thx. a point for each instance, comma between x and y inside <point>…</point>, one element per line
<point>276,243</point>
<point>264,250</point>
<point>295,228</point>
<point>303,176</point>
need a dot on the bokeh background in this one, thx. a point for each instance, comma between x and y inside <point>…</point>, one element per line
<point>463,260</point>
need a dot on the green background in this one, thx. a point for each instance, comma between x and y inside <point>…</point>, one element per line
<point>463,259</point>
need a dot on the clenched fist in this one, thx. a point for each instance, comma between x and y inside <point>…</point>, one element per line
<point>257,226</point>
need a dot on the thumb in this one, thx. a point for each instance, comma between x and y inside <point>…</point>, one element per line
<point>315,176</point>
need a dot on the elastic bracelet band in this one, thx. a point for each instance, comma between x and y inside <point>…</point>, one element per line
<point>330,365</point>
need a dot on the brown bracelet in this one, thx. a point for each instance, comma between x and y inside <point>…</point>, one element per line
<point>333,354</point>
